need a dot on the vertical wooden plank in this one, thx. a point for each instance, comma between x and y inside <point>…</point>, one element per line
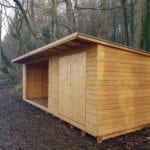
<point>44,81</point>
<point>53,89</point>
<point>64,86</point>
<point>56,83</point>
<point>28,81</point>
<point>24,81</point>
<point>50,88</point>
<point>36,80</point>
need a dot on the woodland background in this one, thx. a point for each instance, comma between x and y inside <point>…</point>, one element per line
<point>29,24</point>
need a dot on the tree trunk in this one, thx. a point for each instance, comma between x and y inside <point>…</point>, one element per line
<point>70,16</point>
<point>54,22</point>
<point>32,15</point>
<point>132,23</point>
<point>0,36</point>
<point>123,2</point>
<point>138,14</point>
<point>17,2</point>
<point>104,20</point>
<point>146,27</point>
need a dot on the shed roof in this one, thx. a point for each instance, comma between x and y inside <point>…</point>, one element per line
<point>69,42</point>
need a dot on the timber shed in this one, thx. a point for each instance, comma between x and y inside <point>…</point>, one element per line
<point>99,87</point>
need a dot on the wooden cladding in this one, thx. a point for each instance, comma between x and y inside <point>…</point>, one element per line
<point>53,92</point>
<point>37,79</point>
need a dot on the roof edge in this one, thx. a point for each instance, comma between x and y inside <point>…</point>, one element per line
<point>112,44</point>
<point>51,45</point>
<point>80,36</point>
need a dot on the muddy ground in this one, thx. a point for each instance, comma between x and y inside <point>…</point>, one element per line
<point>24,127</point>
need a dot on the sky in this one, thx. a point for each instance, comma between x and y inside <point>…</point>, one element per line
<point>10,12</point>
<point>6,12</point>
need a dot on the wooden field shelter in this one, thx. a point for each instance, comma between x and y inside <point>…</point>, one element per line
<point>97,86</point>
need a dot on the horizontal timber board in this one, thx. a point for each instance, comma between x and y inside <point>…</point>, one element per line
<point>132,78</point>
<point>128,56</point>
<point>124,101</point>
<point>123,87</point>
<point>120,125</point>
<point>131,114</point>
<point>121,74</point>
<point>121,83</point>
<point>127,69</point>
<point>107,106</point>
<point>122,60</point>
<point>105,48</point>
<point>110,116</point>
<point>123,65</point>
<point>124,96</point>
<point>126,119</point>
<point>121,132</point>
<point>125,92</point>
<point>124,110</point>
<point>112,131</point>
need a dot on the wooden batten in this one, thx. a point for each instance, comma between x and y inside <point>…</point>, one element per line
<point>99,87</point>
<point>24,80</point>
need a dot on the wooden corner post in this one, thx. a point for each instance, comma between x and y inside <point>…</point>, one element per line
<point>24,81</point>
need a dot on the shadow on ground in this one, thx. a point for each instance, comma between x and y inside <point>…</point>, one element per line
<point>24,127</point>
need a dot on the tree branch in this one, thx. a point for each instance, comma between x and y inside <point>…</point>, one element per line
<point>26,19</point>
<point>8,6</point>
<point>99,7</point>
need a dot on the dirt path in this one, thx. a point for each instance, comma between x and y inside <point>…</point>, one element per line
<point>24,127</point>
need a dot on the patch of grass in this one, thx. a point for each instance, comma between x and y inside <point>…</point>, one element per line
<point>18,88</point>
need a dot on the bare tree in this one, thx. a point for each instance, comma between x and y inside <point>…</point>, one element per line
<point>70,16</point>
<point>146,27</point>
<point>125,17</point>
<point>104,19</point>
<point>138,13</point>
<point>17,2</point>
<point>0,36</point>
<point>54,21</point>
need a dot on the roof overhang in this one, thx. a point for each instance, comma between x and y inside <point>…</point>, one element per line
<point>69,42</point>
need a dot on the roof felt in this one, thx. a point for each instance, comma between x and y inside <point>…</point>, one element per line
<point>69,42</point>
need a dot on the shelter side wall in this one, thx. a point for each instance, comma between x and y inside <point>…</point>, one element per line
<point>124,91</point>
<point>36,80</point>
